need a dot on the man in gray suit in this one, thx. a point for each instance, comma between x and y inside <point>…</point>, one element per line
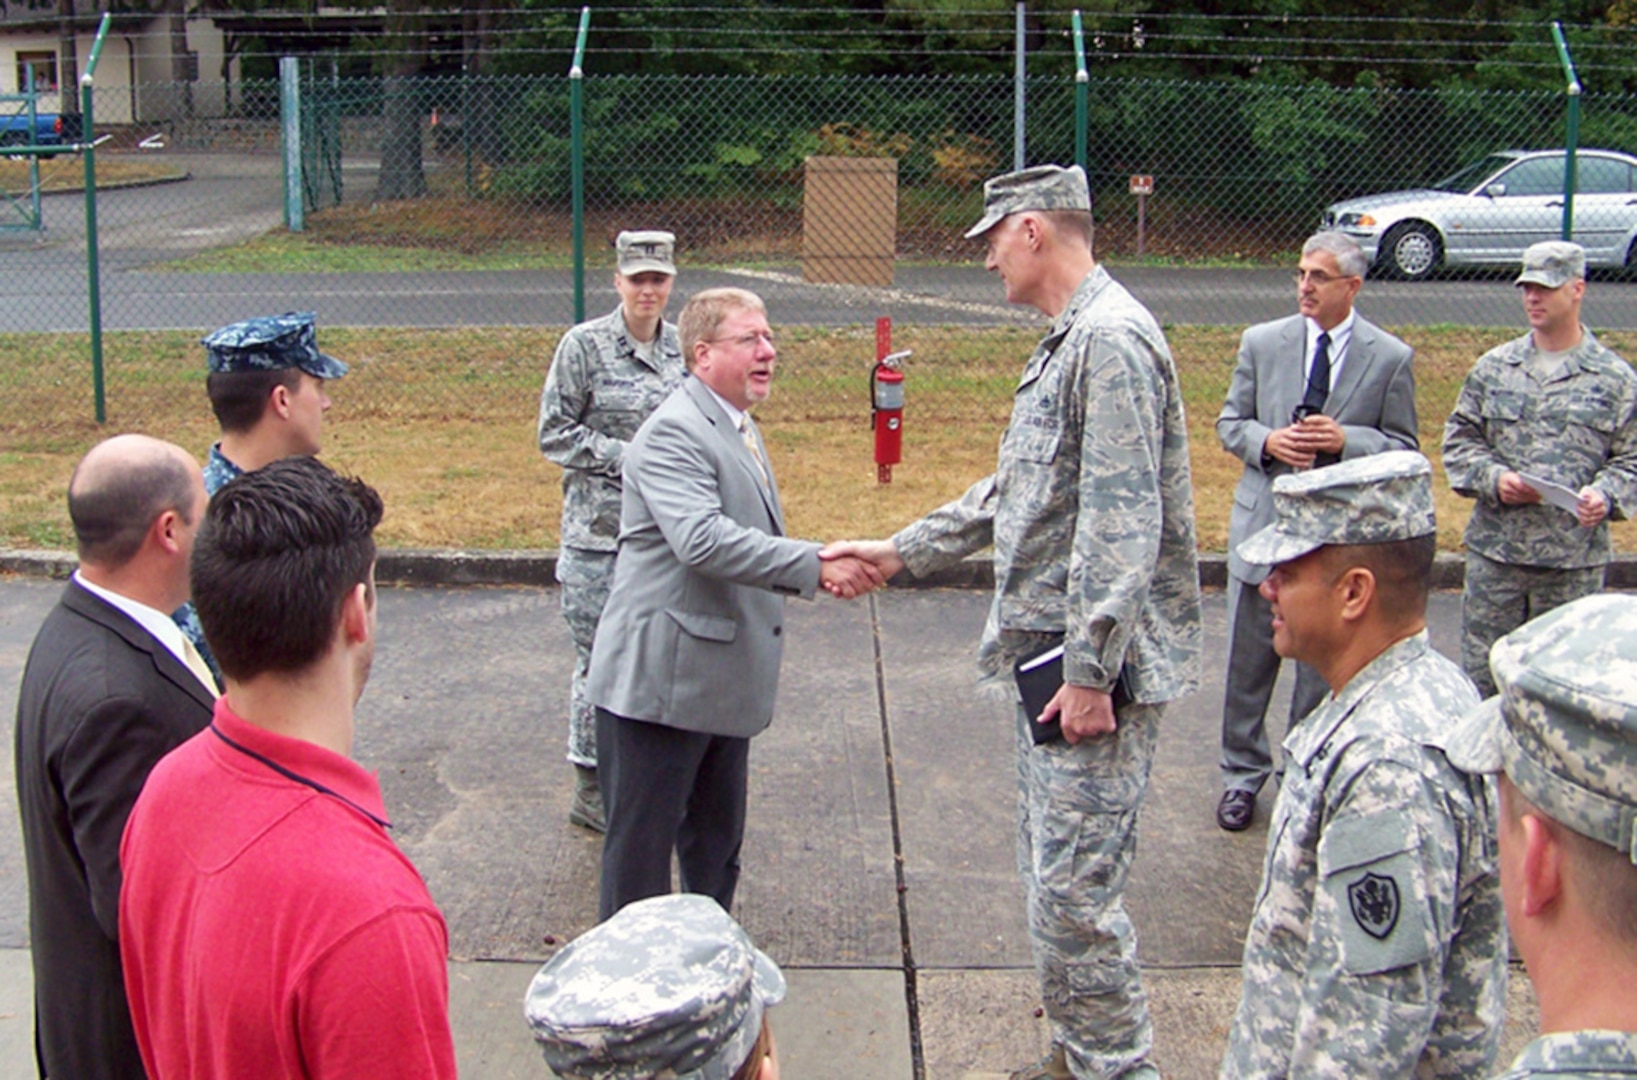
<point>1313,389</point>
<point>685,666</point>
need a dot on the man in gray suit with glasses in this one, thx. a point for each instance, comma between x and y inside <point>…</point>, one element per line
<point>685,666</point>
<point>1321,386</point>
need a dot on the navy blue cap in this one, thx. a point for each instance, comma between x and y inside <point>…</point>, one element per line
<point>271,343</point>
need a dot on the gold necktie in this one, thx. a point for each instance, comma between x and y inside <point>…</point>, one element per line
<point>751,445</point>
<point>196,664</point>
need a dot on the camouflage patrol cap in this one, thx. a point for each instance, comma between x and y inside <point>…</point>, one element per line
<point>670,986</point>
<point>650,250</point>
<point>1552,263</point>
<point>1564,725</point>
<point>1369,500</point>
<point>1044,187</point>
<point>271,343</point>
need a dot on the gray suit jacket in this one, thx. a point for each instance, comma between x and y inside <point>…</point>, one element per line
<point>1373,400</point>
<point>693,632</point>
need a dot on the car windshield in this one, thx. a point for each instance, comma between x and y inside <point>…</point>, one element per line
<point>1469,177</point>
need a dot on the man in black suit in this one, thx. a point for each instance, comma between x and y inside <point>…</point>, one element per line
<point>111,686</point>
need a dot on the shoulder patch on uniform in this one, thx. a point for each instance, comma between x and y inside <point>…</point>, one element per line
<point>1374,901</point>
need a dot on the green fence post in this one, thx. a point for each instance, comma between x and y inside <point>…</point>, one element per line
<point>1081,92</point>
<point>1571,137</point>
<point>576,113</point>
<point>93,272</point>
<point>290,110</point>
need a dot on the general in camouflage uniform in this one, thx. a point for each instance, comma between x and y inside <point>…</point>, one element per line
<point>1553,404</point>
<point>604,381</point>
<point>1377,946</point>
<point>1563,731</point>
<point>240,357</point>
<point>670,986</point>
<point>1090,512</point>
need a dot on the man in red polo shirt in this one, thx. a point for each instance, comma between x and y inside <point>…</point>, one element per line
<point>269,927</point>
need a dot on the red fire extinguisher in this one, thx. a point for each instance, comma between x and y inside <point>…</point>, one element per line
<point>887,412</point>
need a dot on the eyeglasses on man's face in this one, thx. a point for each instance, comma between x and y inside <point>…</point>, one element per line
<point>1317,277</point>
<point>747,341</point>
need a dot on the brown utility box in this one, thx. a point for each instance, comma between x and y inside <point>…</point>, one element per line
<point>849,220</point>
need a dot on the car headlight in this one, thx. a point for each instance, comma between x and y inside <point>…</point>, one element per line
<point>1355,221</point>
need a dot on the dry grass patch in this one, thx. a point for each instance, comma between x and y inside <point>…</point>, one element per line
<point>67,173</point>
<point>443,423</point>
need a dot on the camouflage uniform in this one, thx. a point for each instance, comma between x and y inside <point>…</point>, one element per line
<point>266,343</point>
<point>1090,511</point>
<point>1577,1055</point>
<point>218,471</point>
<point>599,391</point>
<point>1575,425</point>
<point>667,987</point>
<point>1377,944</point>
<point>1564,730</point>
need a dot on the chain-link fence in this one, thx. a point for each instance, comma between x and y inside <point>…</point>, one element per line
<point>445,203</point>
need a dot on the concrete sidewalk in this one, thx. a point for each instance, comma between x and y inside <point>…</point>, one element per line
<point>879,866</point>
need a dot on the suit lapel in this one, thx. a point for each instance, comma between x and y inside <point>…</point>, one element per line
<point>734,449</point>
<point>82,602</point>
<point>1360,351</point>
<point>1292,357</point>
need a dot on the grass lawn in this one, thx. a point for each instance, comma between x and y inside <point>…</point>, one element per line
<point>442,422</point>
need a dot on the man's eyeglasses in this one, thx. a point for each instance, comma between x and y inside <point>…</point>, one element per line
<point>1317,277</point>
<point>747,341</point>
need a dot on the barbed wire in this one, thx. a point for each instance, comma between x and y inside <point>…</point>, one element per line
<point>894,37</point>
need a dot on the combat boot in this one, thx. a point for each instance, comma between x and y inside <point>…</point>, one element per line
<point>1054,1066</point>
<point>587,808</point>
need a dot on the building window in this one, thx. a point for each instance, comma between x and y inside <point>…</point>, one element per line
<point>45,71</point>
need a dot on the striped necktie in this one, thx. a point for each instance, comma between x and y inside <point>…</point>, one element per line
<point>749,436</point>
<point>196,664</point>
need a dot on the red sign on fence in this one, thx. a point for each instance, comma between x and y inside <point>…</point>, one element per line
<point>1142,185</point>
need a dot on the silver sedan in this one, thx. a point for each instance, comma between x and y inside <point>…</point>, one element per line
<point>1487,213</point>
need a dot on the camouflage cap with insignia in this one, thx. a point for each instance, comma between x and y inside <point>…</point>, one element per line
<point>1044,187</point>
<point>670,986</point>
<point>1375,499</point>
<point>1564,725</point>
<point>650,250</point>
<point>271,343</point>
<point>1552,263</point>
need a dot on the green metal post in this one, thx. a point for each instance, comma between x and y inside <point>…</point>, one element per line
<point>576,114</point>
<point>93,271</point>
<point>1571,137</point>
<point>295,208</point>
<point>1081,92</point>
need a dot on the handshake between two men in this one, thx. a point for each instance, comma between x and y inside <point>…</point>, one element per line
<point>850,568</point>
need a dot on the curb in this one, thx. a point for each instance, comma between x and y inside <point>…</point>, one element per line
<point>440,567</point>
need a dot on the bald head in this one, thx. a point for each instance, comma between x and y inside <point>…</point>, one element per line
<point>120,487</point>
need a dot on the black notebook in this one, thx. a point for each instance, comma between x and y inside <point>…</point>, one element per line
<point>1039,675</point>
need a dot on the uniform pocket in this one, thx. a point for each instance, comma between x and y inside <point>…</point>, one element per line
<point>1505,405</point>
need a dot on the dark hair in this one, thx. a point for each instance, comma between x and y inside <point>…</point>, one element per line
<point>279,550</point>
<point>1402,569</point>
<point>112,512</point>
<point>239,398</point>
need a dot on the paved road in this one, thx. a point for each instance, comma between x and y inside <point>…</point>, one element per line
<point>229,198</point>
<point>882,762</point>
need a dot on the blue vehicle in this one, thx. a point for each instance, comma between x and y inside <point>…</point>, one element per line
<point>48,129</point>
